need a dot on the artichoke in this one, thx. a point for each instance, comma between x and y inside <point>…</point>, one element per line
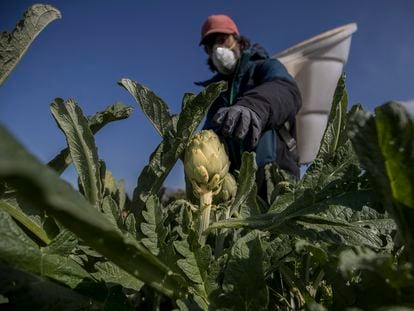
<point>228,190</point>
<point>206,162</point>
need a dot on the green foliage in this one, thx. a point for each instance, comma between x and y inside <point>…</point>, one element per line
<point>112,113</point>
<point>244,283</point>
<point>385,146</point>
<point>15,44</point>
<point>84,153</point>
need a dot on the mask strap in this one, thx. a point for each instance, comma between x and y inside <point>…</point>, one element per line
<point>233,45</point>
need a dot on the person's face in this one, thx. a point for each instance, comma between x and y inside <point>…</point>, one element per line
<point>222,40</point>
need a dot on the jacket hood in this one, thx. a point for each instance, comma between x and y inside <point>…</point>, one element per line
<point>253,53</point>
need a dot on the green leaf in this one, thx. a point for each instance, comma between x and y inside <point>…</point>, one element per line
<point>335,132</point>
<point>43,186</point>
<point>153,106</point>
<point>194,110</point>
<point>81,143</point>
<point>15,44</point>
<point>63,244</point>
<point>112,113</point>
<point>275,251</point>
<point>246,180</point>
<point>25,221</point>
<point>187,98</point>
<point>333,214</point>
<point>111,273</point>
<point>376,279</point>
<point>115,112</point>
<point>153,226</point>
<point>170,149</point>
<point>195,266</point>
<point>192,303</point>
<point>30,292</point>
<point>111,211</point>
<point>335,153</point>
<point>109,184</point>
<point>333,231</point>
<point>385,146</point>
<point>195,262</point>
<point>244,283</point>
<point>20,252</point>
<point>130,224</point>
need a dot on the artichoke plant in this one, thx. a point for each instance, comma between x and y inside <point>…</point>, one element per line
<point>228,190</point>
<point>206,164</point>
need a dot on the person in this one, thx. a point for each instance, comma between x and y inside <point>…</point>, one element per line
<point>257,112</point>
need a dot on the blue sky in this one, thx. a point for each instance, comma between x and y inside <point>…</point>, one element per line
<point>97,43</point>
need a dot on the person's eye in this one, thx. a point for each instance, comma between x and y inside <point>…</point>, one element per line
<point>221,40</point>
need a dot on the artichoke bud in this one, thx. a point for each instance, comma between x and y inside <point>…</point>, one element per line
<point>284,187</point>
<point>201,175</point>
<point>228,190</point>
<point>215,183</point>
<point>206,161</point>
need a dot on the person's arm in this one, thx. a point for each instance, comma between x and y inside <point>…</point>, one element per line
<point>275,101</point>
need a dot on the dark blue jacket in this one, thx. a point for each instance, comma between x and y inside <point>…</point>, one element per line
<point>264,85</point>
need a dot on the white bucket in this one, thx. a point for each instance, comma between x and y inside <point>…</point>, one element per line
<point>316,64</point>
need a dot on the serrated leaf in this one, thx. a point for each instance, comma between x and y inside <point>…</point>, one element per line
<point>42,185</point>
<point>187,98</point>
<point>81,143</point>
<point>111,273</point>
<point>335,131</point>
<point>63,244</point>
<point>195,262</point>
<point>153,227</point>
<point>15,44</point>
<point>385,147</point>
<point>213,281</point>
<point>244,283</point>
<point>335,153</point>
<point>314,249</point>
<point>153,106</point>
<point>111,211</point>
<point>317,215</point>
<point>122,196</point>
<point>115,112</point>
<point>110,184</point>
<point>274,251</point>
<point>247,180</point>
<point>33,226</point>
<point>194,110</point>
<point>20,252</point>
<point>334,231</point>
<point>112,113</point>
<point>130,224</point>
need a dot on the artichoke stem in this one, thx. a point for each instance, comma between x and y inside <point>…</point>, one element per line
<point>205,208</point>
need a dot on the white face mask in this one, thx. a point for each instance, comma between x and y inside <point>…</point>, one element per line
<point>224,60</point>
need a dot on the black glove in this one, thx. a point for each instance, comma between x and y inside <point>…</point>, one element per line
<point>240,122</point>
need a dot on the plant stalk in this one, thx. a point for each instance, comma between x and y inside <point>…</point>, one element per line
<point>206,199</point>
<point>26,222</point>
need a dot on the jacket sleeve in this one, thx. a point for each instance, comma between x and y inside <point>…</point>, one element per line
<point>276,98</point>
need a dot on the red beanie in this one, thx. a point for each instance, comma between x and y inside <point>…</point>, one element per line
<point>218,24</point>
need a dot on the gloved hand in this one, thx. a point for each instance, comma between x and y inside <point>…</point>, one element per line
<point>240,122</point>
